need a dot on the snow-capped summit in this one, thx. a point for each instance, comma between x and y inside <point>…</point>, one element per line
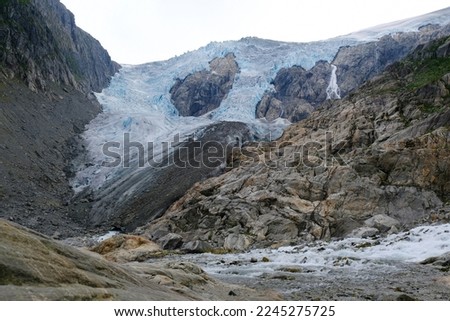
<point>440,17</point>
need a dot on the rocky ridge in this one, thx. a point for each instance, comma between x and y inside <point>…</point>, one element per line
<point>297,92</point>
<point>378,159</point>
<point>41,44</point>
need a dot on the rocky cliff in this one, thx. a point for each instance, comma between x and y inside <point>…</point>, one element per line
<point>203,91</point>
<point>374,162</point>
<point>296,91</point>
<point>40,43</point>
<point>48,69</point>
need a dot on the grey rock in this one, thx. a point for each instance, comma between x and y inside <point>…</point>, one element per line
<point>296,92</point>
<point>203,91</point>
<point>171,241</point>
<point>197,247</point>
<point>364,232</point>
<point>439,261</point>
<point>383,223</point>
<point>237,242</point>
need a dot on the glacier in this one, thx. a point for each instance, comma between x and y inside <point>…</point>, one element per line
<point>138,100</point>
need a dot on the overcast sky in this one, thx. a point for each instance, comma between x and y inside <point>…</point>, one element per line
<point>138,31</point>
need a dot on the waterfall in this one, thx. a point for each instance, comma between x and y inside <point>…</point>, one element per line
<point>333,91</point>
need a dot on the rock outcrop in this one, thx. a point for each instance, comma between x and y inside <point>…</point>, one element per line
<point>34,267</point>
<point>377,159</point>
<point>127,248</point>
<point>298,91</point>
<point>203,91</point>
<point>40,43</point>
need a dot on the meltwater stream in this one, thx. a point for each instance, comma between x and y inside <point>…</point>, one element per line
<point>351,268</point>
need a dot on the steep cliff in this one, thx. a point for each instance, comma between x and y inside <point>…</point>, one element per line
<point>40,43</point>
<point>48,69</point>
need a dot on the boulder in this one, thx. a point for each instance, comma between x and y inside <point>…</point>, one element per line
<point>237,242</point>
<point>364,232</point>
<point>127,248</point>
<point>197,247</point>
<point>442,261</point>
<point>382,223</point>
<point>171,241</point>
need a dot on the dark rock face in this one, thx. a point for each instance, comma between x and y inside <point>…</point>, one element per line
<point>41,44</point>
<point>48,69</point>
<point>297,91</point>
<point>203,91</point>
<point>376,159</point>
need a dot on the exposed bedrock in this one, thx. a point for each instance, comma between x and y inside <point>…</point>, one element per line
<point>203,91</point>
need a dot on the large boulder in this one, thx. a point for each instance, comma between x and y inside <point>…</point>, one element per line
<point>127,248</point>
<point>382,223</point>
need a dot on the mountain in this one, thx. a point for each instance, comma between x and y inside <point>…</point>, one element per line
<point>374,162</point>
<point>261,84</point>
<point>41,44</point>
<point>238,145</point>
<point>48,70</point>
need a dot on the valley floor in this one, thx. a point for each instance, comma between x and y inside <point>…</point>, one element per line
<point>397,267</point>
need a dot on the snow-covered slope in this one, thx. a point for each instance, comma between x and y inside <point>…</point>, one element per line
<point>138,100</point>
<point>440,17</point>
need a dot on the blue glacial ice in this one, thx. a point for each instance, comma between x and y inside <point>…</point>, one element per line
<point>138,99</point>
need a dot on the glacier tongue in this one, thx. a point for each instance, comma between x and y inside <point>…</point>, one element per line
<point>138,99</point>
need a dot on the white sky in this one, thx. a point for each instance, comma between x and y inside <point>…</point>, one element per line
<point>138,31</point>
